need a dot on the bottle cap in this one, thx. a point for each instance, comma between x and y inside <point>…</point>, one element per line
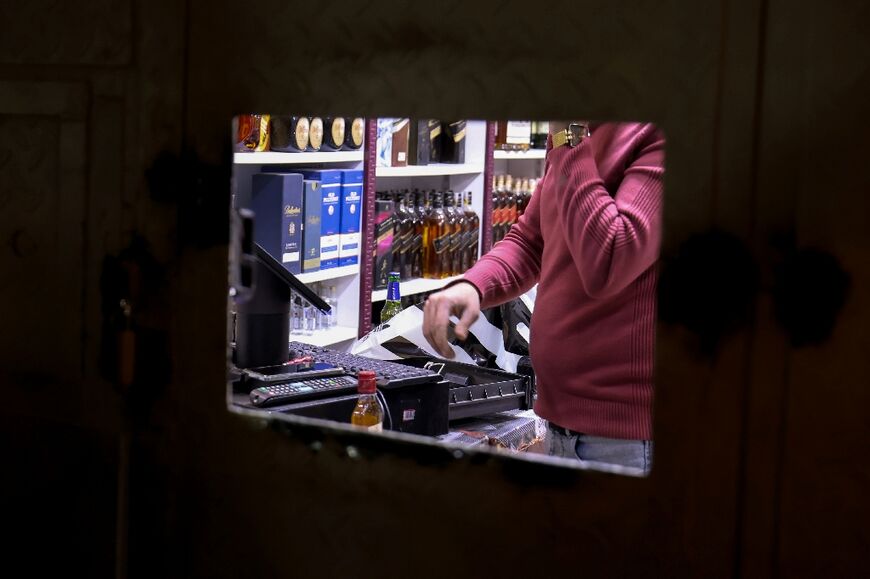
<point>366,382</point>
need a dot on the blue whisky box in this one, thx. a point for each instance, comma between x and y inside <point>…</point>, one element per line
<point>312,208</point>
<point>349,229</point>
<point>276,199</point>
<point>330,220</point>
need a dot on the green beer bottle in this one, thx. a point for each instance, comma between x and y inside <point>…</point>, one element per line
<point>393,304</point>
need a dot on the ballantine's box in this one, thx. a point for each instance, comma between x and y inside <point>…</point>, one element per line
<point>349,236</point>
<point>276,199</point>
<point>330,216</point>
<point>313,201</point>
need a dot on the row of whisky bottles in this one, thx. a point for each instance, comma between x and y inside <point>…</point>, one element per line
<point>435,233</point>
<point>287,134</point>
<point>510,197</point>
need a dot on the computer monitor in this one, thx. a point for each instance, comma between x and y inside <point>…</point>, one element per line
<point>263,289</point>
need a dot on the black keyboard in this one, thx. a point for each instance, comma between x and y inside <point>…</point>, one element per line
<point>303,390</point>
<point>388,374</point>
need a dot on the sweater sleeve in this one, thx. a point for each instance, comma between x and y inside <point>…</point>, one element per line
<point>612,239</point>
<point>513,265</point>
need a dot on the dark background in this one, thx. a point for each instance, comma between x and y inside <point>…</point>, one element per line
<point>114,181</point>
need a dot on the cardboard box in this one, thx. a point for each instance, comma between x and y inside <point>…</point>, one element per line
<point>435,138</point>
<point>330,218</point>
<point>399,157</point>
<point>418,142</point>
<point>276,199</point>
<point>312,209</point>
<point>385,142</point>
<point>453,142</point>
<point>351,208</point>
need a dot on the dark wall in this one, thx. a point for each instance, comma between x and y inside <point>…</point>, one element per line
<point>758,439</point>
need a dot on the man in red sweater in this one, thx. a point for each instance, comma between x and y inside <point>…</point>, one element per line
<point>590,239</point>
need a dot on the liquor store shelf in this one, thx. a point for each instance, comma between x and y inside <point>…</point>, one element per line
<point>328,337</point>
<point>325,274</point>
<point>414,286</point>
<point>530,154</point>
<point>272,158</point>
<point>429,170</point>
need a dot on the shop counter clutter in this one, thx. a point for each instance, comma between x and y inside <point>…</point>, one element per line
<point>517,430</point>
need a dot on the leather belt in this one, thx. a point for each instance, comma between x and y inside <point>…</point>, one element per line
<point>562,430</point>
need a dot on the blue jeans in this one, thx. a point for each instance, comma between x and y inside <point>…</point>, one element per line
<point>595,450</point>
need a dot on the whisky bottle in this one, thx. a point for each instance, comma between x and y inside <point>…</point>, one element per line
<point>368,413</point>
<point>289,134</point>
<point>417,212</point>
<point>396,250</point>
<point>435,238</point>
<point>355,128</point>
<point>494,222</point>
<point>444,243</point>
<point>512,206</point>
<point>473,222</point>
<point>460,252</point>
<point>406,238</point>
<point>449,265</point>
<point>315,134</point>
<point>520,197</point>
<point>252,133</point>
<point>333,133</point>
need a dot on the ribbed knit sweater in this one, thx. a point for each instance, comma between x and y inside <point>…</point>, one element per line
<point>590,238</point>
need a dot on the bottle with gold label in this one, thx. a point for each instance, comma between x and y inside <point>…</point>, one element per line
<point>368,413</point>
<point>435,237</point>
<point>333,133</point>
<point>452,258</point>
<point>473,231</point>
<point>288,134</point>
<point>252,133</point>
<point>460,261</point>
<point>353,134</point>
<point>315,134</point>
<point>416,209</point>
<point>512,205</point>
<point>444,242</point>
<point>406,238</point>
<point>496,212</point>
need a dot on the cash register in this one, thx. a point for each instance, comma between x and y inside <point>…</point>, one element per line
<point>273,375</point>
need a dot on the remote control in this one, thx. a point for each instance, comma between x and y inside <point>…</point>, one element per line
<point>302,390</point>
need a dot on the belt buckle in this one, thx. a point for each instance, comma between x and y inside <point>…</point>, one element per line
<point>576,132</point>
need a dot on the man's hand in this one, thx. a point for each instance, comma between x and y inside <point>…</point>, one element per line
<point>460,300</point>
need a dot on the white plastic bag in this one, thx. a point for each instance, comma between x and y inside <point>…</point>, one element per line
<point>403,337</point>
